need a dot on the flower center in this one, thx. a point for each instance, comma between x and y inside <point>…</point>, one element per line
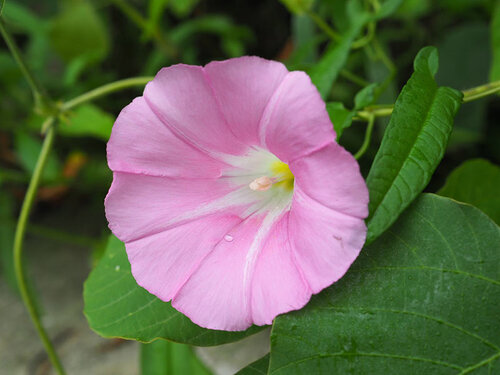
<point>281,177</point>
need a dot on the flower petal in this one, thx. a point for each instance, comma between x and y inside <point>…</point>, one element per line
<point>138,205</point>
<point>325,242</point>
<point>173,255</point>
<point>182,98</point>
<point>278,286</point>
<point>141,143</point>
<point>295,122</point>
<point>243,87</point>
<point>216,295</point>
<point>331,176</point>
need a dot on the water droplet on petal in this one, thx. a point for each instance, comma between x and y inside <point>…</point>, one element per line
<point>228,238</point>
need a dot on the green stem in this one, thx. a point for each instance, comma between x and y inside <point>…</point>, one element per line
<point>383,56</point>
<point>469,95</point>
<point>481,91</point>
<point>368,137</point>
<point>354,78</point>
<point>365,39</point>
<point>324,26</point>
<point>105,90</point>
<point>18,247</point>
<point>39,94</point>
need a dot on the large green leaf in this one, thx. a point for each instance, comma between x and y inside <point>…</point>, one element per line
<point>413,144</point>
<point>163,357</point>
<point>258,367</point>
<point>422,299</point>
<point>325,72</point>
<point>115,306</point>
<point>476,182</point>
<point>495,44</point>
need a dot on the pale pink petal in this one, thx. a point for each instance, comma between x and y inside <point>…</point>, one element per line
<point>138,205</point>
<point>162,263</point>
<point>182,98</point>
<point>216,295</point>
<point>295,122</point>
<point>325,242</point>
<point>141,143</point>
<point>278,285</point>
<point>243,87</point>
<point>331,176</point>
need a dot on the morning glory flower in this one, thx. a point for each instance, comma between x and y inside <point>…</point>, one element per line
<point>232,197</point>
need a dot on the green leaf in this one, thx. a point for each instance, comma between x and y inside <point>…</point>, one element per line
<point>2,2</point>
<point>162,357</point>
<point>115,306</point>
<point>476,182</point>
<point>340,117</point>
<point>366,96</point>
<point>413,144</point>
<point>258,367</point>
<point>422,299</point>
<point>298,6</point>
<point>78,31</point>
<point>325,72</point>
<point>495,43</point>
<point>465,59</point>
<point>181,8</point>
<point>21,18</point>
<point>88,120</point>
<point>387,8</point>
<point>28,150</point>
<point>155,11</point>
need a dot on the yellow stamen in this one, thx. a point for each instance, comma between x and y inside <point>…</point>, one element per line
<point>283,177</point>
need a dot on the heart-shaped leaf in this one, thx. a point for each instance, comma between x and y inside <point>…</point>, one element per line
<point>115,306</point>
<point>422,299</point>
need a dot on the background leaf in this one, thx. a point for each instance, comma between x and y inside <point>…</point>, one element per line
<point>163,357</point>
<point>325,72</point>
<point>78,31</point>
<point>464,62</point>
<point>340,117</point>
<point>298,6</point>
<point>366,96</point>
<point>413,144</point>
<point>88,120</point>
<point>476,182</point>
<point>115,306</point>
<point>422,299</point>
<point>387,8</point>
<point>182,8</point>
<point>28,149</point>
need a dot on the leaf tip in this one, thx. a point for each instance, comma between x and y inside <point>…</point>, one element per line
<point>428,57</point>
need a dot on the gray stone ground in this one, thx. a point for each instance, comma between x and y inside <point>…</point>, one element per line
<point>58,270</point>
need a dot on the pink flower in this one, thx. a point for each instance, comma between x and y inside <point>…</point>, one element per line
<point>231,194</point>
